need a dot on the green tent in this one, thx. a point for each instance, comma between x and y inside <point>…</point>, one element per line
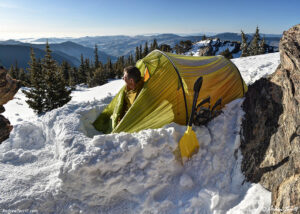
<point>167,94</point>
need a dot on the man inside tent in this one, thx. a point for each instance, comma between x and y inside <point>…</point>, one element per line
<point>134,84</point>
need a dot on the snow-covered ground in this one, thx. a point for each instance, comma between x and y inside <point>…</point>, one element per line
<point>57,163</point>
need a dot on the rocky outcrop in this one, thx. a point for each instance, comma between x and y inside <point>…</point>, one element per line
<point>213,47</point>
<point>206,51</point>
<point>271,128</point>
<point>8,88</point>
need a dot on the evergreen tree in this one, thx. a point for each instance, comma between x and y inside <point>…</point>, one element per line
<point>141,52</point>
<point>129,60</point>
<point>177,49</point>
<point>82,74</point>
<point>65,68</point>
<point>37,93</point>
<point>244,45</point>
<point>56,93</point>
<point>154,45</point>
<point>204,37</point>
<point>254,46</point>
<point>88,69</point>
<point>227,54</point>
<point>146,50</point>
<point>97,63</point>
<point>109,69</point>
<point>119,66</point>
<point>185,45</point>
<point>11,72</point>
<point>23,77</point>
<point>14,71</point>
<point>73,77</point>
<point>262,46</point>
<point>165,47</point>
<point>99,78</point>
<point>137,54</point>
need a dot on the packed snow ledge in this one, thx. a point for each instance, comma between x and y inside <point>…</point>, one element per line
<point>57,163</point>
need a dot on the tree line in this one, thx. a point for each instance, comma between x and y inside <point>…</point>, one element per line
<point>50,84</point>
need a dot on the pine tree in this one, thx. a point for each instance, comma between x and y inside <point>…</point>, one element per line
<point>97,63</point>
<point>73,77</point>
<point>204,37</point>
<point>11,72</point>
<point>56,93</point>
<point>65,68</point>
<point>262,46</point>
<point>146,50</point>
<point>14,71</point>
<point>165,47</point>
<point>119,66</point>
<point>99,78</point>
<point>82,74</point>
<point>154,45</point>
<point>88,69</point>
<point>141,52</point>
<point>23,77</point>
<point>137,54</point>
<point>244,45</point>
<point>37,93</point>
<point>129,60</point>
<point>177,49</point>
<point>109,69</point>
<point>227,54</point>
<point>254,46</point>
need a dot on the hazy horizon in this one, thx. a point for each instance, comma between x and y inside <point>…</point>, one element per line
<point>70,37</point>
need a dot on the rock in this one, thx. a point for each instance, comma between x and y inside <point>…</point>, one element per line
<point>213,47</point>
<point>286,198</point>
<point>5,128</point>
<point>206,51</point>
<point>8,88</point>
<point>271,128</point>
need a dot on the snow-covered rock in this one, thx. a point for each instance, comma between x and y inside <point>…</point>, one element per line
<point>213,47</point>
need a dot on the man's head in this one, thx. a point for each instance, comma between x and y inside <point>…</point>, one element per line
<point>132,76</point>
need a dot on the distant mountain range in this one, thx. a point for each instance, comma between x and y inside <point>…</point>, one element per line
<point>125,45</point>
<point>70,49</point>
<point>12,51</point>
<point>10,54</point>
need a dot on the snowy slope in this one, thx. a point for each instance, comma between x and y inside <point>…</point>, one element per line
<point>57,163</point>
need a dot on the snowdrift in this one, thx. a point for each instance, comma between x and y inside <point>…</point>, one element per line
<point>58,163</point>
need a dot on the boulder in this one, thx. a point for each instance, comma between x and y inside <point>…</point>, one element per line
<point>271,128</point>
<point>8,88</point>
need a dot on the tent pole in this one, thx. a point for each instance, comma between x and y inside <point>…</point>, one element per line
<point>180,79</point>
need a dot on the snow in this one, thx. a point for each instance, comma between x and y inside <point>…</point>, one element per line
<point>195,48</point>
<point>213,43</point>
<point>253,68</point>
<point>58,163</point>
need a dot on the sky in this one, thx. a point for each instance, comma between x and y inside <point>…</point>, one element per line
<point>77,18</point>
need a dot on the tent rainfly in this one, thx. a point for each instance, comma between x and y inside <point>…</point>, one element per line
<point>167,94</point>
